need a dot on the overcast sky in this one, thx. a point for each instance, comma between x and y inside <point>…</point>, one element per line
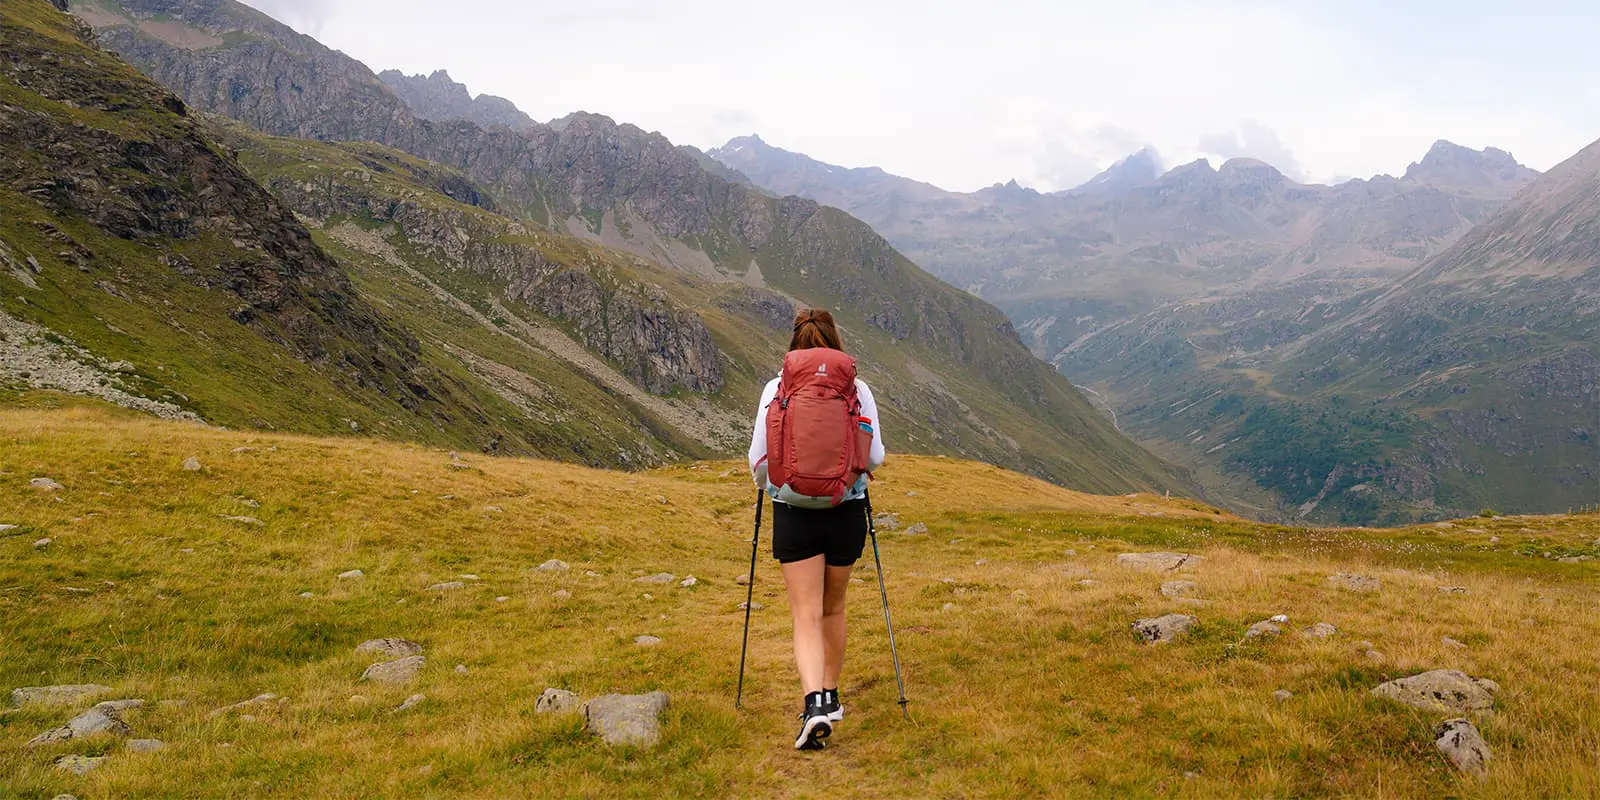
<point>963,93</point>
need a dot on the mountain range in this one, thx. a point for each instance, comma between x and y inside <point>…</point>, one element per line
<point>1277,337</point>
<point>582,289</point>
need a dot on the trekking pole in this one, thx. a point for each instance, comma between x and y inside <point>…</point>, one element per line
<point>749,596</point>
<point>872,529</point>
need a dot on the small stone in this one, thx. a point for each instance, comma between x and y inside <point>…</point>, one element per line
<point>1156,562</point>
<point>358,699</point>
<point>627,719</point>
<point>79,765</point>
<point>42,543</point>
<point>660,577</point>
<point>399,671</point>
<point>554,565</point>
<point>239,451</point>
<point>589,573</point>
<point>1494,540</point>
<point>754,606</point>
<point>502,599</point>
<point>949,607</point>
<point>562,594</point>
<point>911,494</point>
<point>352,575</point>
<point>470,577</point>
<point>192,464</point>
<point>46,484</point>
<point>410,702</point>
<point>1283,695</point>
<point>1266,628</point>
<point>1453,643</point>
<point>917,529</point>
<point>687,582</point>
<point>646,641</point>
<point>1321,630</point>
<point>447,586</point>
<point>742,580</point>
<point>1454,590</point>
<point>981,562</point>
<point>1161,630</point>
<point>1088,582</point>
<point>557,701</point>
<point>1179,588</point>
<point>1462,744</point>
<point>1442,690</point>
<point>245,520</point>
<point>7,528</point>
<point>1355,583</point>
<point>393,648</point>
<point>307,595</point>
<point>1281,619</point>
<point>145,745</point>
<point>461,669</point>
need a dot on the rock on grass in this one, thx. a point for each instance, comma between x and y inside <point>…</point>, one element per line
<point>1462,744</point>
<point>1161,630</point>
<point>557,701</point>
<point>45,485</point>
<point>1441,690</point>
<point>1180,588</point>
<point>66,694</point>
<point>102,720</point>
<point>627,719</point>
<point>397,672</point>
<point>79,765</point>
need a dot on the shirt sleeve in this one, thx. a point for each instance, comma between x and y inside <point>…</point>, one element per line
<point>869,409</point>
<point>758,437</point>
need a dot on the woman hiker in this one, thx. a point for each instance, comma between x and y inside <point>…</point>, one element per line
<point>817,439</point>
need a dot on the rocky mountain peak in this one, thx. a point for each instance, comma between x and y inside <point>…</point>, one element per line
<point>1140,169</point>
<point>1250,170</point>
<point>1448,164</point>
<point>439,97</point>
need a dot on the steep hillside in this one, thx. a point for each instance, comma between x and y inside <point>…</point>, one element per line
<point>951,365</point>
<point>196,591</point>
<point>143,265</point>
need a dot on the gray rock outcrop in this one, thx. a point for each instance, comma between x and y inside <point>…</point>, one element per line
<point>1441,690</point>
<point>1463,746</point>
<point>557,701</point>
<point>1160,630</point>
<point>621,719</point>
<point>395,673</point>
<point>1156,562</point>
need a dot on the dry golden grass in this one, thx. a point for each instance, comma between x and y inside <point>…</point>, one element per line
<point>1029,684</point>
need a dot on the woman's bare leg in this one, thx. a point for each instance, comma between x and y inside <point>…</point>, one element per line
<point>804,582</point>
<point>835,581</point>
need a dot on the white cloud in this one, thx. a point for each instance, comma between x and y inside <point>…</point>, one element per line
<point>968,94</point>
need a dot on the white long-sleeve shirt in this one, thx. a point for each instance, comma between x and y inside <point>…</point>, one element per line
<point>758,440</point>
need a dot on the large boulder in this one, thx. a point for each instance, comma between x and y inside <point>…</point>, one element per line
<point>1441,690</point>
<point>395,673</point>
<point>1461,743</point>
<point>1156,562</point>
<point>68,694</point>
<point>1161,630</point>
<point>627,719</point>
<point>102,720</point>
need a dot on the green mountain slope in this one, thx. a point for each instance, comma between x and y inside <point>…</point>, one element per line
<point>949,366</point>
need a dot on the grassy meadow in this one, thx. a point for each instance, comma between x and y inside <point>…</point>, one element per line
<point>1013,624</point>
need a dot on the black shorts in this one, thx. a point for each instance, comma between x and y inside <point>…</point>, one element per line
<point>839,533</point>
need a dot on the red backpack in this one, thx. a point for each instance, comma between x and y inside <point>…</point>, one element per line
<point>817,446</point>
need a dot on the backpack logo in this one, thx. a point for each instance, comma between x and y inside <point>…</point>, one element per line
<point>822,369</point>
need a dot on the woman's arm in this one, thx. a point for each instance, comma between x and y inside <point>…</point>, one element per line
<point>869,409</point>
<point>758,437</point>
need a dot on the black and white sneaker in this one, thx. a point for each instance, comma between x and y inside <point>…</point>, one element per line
<point>814,725</point>
<point>831,704</point>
